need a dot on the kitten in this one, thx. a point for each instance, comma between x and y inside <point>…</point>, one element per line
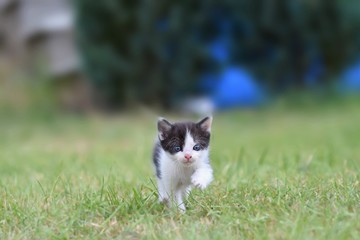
<point>181,159</point>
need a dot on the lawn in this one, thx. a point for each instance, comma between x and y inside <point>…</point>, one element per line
<point>280,173</point>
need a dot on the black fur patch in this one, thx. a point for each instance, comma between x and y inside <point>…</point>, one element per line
<point>156,156</point>
<point>175,136</point>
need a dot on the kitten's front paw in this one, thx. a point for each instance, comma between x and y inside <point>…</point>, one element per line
<point>199,182</point>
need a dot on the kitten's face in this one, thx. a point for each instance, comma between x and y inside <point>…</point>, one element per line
<point>185,142</point>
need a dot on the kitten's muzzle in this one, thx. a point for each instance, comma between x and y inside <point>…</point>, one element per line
<point>187,157</point>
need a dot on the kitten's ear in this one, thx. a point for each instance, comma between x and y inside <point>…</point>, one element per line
<point>163,126</point>
<point>205,123</point>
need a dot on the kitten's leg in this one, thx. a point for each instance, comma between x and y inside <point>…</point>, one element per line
<point>164,192</point>
<point>185,193</point>
<point>179,195</point>
<point>202,177</point>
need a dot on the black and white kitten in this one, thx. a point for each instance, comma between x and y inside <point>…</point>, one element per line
<point>181,159</point>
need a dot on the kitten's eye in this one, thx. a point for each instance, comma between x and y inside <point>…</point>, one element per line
<point>196,147</point>
<point>177,149</point>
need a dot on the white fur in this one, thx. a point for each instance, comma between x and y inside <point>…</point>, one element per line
<point>178,175</point>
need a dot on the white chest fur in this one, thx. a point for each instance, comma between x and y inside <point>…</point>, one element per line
<point>177,180</point>
<point>177,174</point>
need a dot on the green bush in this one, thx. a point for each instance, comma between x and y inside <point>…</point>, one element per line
<point>156,51</point>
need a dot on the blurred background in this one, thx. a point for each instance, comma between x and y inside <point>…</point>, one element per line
<point>82,83</point>
<point>193,56</point>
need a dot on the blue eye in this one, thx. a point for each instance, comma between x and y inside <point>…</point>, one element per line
<point>196,147</point>
<point>177,149</point>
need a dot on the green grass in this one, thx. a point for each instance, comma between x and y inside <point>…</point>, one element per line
<point>279,174</point>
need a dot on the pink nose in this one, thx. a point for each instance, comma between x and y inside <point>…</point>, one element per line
<point>188,156</point>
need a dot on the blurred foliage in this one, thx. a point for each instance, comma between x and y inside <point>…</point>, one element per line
<point>155,51</point>
<point>26,97</point>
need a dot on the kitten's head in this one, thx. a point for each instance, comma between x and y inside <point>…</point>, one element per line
<point>185,142</point>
